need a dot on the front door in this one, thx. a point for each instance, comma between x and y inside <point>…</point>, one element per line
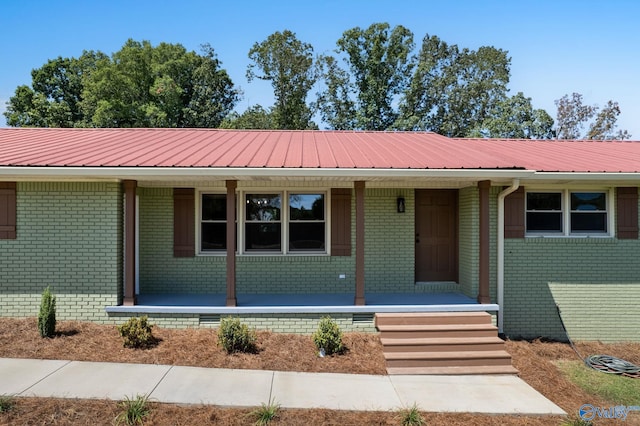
<point>437,235</point>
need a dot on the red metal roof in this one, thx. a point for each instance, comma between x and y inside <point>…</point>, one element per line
<point>183,148</point>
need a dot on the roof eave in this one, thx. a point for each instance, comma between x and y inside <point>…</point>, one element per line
<point>175,173</point>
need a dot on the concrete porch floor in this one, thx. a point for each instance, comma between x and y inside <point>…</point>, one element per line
<point>302,303</point>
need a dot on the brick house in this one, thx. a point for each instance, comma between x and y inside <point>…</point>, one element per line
<point>283,227</point>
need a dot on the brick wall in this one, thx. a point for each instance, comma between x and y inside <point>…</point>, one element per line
<point>69,237</point>
<point>596,285</point>
<point>388,252</point>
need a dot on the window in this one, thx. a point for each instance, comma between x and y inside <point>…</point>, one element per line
<point>272,223</point>
<point>306,222</point>
<point>263,223</point>
<point>289,222</point>
<point>567,213</point>
<point>213,225</point>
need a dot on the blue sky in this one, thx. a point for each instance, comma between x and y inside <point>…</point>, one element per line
<point>556,47</point>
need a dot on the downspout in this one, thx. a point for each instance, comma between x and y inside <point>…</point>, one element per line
<point>515,184</point>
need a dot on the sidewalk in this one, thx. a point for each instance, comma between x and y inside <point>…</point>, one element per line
<point>495,394</point>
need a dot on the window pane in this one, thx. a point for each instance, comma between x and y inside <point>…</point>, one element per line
<point>306,236</point>
<point>544,222</point>
<point>588,201</point>
<point>544,201</point>
<point>263,207</point>
<point>263,236</point>
<point>213,236</point>
<point>214,207</point>
<point>306,207</point>
<point>588,222</point>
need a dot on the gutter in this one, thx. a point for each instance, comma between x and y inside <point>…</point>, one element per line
<point>515,184</point>
<point>169,173</point>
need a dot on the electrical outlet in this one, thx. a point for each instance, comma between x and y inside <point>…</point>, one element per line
<point>342,276</point>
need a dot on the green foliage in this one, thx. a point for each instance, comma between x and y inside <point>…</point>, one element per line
<point>328,337</point>
<point>515,118</point>
<point>255,117</point>
<point>611,387</point>
<point>453,90</point>
<point>235,336</point>
<point>139,86</point>
<point>6,403</point>
<point>134,410</point>
<point>379,67</point>
<point>265,413</point>
<point>411,416</point>
<point>288,64</point>
<point>47,314</point>
<point>136,333</point>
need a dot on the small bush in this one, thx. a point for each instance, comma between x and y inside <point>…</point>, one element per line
<point>47,314</point>
<point>411,416</point>
<point>6,403</point>
<point>265,413</point>
<point>235,336</point>
<point>136,333</point>
<point>134,410</point>
<point>328,337</point>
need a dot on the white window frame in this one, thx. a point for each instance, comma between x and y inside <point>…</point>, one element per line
<point>284,221</point>
<point>199,221</point>
<point>566,213</point>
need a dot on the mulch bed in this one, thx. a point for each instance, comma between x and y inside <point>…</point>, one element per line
<point>284,352</point>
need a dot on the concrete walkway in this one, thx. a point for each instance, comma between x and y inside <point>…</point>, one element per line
<point>496,394</point>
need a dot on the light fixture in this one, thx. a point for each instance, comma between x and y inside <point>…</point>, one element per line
<point>400,205</point>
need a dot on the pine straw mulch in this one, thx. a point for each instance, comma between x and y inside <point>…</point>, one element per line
<point>285,352</point>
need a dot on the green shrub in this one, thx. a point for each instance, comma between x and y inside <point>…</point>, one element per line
<point>328,337</point>
<point>47,314</point>
<point>235,336</point>
<point>134,410</point>
<point>6,403</point>
<point>136,333</point>
<point>265,413</point>
<point>411,416</point>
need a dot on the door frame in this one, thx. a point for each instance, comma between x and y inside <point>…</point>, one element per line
<point>456,225</point>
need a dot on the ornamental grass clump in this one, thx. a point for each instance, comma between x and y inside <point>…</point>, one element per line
<point>47,314</point>
<point>136,333</point>
<point>328,337</point>
<point>235,336</point>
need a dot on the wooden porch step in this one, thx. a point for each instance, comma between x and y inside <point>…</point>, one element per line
<point>434,318</point>
<point>447,359</point>
<point>468,370</point>
<point>442,344</point>
<point>437,331</point>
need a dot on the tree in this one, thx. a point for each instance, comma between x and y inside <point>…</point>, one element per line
<point>452,90</point>
<point>573,116</point>
<point>255,117</point>
<point>162,86</point>
<point>138,86</point>
<point>56,93</point>
<point>363,96</point>
<point>515,118</point>
<point>288,64</point>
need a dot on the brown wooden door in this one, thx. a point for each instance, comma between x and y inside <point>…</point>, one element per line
<point>436,235</point>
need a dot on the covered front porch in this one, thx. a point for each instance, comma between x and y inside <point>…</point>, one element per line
<point>203,304</point>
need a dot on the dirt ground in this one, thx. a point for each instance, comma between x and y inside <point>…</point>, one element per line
<point>285,352</point>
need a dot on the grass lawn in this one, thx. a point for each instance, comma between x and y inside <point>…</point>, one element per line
<point>622,390</point>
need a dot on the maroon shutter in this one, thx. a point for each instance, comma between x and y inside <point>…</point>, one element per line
<point>514,214</point>
<point>184,226</point>
<point>341,222</point>
<point>7,210</point>
<point>627,213</point>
